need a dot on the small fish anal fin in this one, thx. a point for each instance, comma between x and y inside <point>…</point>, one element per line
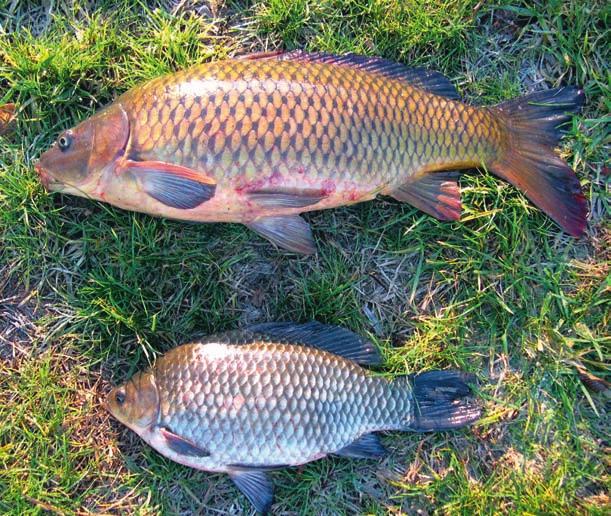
<point>182,446</point>
<point>284,198</point>
<point>367,446</point>
<point>428,80</point>
<point>288,232</point>
<point>435,193</point>
<point>256,486</point>
<point>173,185</point>
<point>333,339</point>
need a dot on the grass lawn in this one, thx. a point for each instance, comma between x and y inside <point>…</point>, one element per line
<point>89,294</point>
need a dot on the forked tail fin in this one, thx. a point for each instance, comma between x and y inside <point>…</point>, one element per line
<point>442,401</point>
<point>530,163</point>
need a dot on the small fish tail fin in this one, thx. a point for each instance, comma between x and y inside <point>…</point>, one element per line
<point>529,161</point>
<point>442,401</point>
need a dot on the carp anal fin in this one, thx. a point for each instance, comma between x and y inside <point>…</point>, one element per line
<point>367,446</point>
<point>182,446</point>
<point>288,232</point>
<point>428,80</point>
<point>256,486</point>
<point>284,198</point>
<point>172,185</point>
<point>435,193</point>
<point>333,339</point>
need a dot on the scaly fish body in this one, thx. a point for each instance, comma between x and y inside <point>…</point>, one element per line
<point>266,404</point>
<point>275,395</point>
<point>342,132</point>
<point>259,141</point>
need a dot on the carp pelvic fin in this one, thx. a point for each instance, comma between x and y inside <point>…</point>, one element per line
<point>173,185</point>
<point>367,446</point>
<point>435,193</point>
<point>428,80</point>
<point>288,232</point>
<point>333,339</point>
<point>284,198</point>
<point>256,486</point>
<point>180,445</point>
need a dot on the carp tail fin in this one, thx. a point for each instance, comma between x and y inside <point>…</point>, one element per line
<point>529,161</point>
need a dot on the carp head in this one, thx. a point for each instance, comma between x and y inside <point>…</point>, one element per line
<point>136,403</point>
<point>77,161</point>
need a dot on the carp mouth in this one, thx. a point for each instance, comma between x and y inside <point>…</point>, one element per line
<point>51,184</point>
<point>44,177</point>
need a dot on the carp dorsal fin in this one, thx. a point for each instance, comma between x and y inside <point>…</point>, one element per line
<point>256,486</point>
<point>435,193</point>
<point>367,446</point>
<point>418,77</point>
<point>333,339</point>
<point>180,445</point>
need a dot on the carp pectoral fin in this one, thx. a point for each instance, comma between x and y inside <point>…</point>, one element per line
<point>367,446</point>
<point>181,445</point>
<point>256,486</point>
<point>333,339</point>
<point>173,185</point>
<point>288,232</point>
<point>285,198</point>
<point>435,193</point>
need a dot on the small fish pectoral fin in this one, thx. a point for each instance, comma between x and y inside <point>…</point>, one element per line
<point>256,486</point>
<point>285,198</point>
<point>173,185</point>
<point>428,80</point>
<point>333,339</point>
<point>288,232</point>
<point>367,446</point>
<point>435,193</point>
<point>181,445</point>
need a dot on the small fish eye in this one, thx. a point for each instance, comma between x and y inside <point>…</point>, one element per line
<point>120,397</point>
<point>64,141</point>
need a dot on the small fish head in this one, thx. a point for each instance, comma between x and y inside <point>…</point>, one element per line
<point>76,162</point>
<point>136,403</point>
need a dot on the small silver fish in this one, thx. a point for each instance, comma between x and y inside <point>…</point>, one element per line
<point>277,395</point>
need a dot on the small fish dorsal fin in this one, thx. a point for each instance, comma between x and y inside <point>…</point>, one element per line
<point>333,339</point>
<point>428,80</point>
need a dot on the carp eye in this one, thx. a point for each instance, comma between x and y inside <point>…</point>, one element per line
<point>120,397</point>
<point>64,141</point>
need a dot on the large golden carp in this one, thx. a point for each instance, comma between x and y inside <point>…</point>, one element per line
<point>277,395</point>
<point>259,140</point>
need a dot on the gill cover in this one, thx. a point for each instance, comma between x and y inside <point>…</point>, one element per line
<point>111,132</point>
<point>135,404</point>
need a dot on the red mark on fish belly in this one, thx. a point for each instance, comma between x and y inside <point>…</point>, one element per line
<point>275,178</point>
<point>328,187</point>
<point>353,196</point>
